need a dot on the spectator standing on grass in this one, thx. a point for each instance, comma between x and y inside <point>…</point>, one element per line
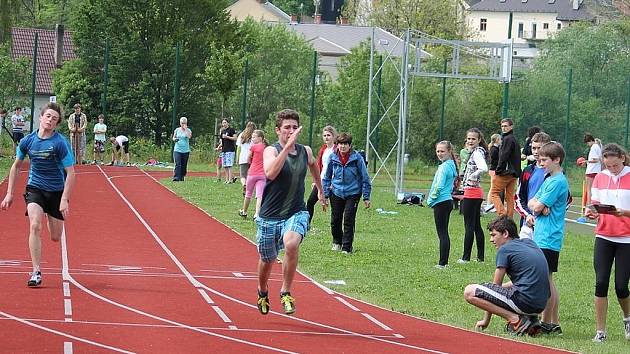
<point>346,182</point>
<point>283,219</point>
<point>549,208</point>
<point>120,150</point>
<point>508,170</point>
<point>493,152</point>
<point>593,163</point>
<point>100,129</point>
<point>256,175</point>
<point>181,150</point>
<point>77,122</point>
<point>473,194</point>
<point>440,197</point>
<point>520,300</point>
<point>244,141</point>
<point>329,135</point>
<point>526,154</point>
<point>50,182</point>
<point>612,237</point>
<point>17,125</point>
<point>228,139</point>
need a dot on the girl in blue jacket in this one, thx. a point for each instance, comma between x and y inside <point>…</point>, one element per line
<point>440,199</point>
<point>346,181</point>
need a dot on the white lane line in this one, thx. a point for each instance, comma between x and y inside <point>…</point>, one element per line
<point>343,301</point>
<point>398,335</point>
<point>64,334</point>
<point>233,327</point>
<point>67,307</point>
<point>205,296</point>
<point>67,347</point>
<point>239,275</point>
<point>68,319</point>
<point>378,323</point>
<point>221,314</point>
<point>66,289</point>
<point>225,296</point>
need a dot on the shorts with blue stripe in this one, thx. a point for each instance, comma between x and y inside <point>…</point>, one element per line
<point>269,235</point>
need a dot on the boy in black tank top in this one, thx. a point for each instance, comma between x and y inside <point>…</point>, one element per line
<point>283,219</point>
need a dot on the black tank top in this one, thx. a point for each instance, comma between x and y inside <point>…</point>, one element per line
<point>284,196</point>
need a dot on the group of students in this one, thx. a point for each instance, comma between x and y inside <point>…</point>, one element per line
<point>531,257</point>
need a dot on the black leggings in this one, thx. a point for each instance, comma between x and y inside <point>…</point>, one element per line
<point>310,204</point>
<point>604,253</point>
<point>441,215</point>
<point>472,224</point>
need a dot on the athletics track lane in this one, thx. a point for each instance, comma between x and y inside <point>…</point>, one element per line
<point>179,295</point>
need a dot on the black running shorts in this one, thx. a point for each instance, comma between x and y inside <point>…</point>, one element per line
<point>49,201</point>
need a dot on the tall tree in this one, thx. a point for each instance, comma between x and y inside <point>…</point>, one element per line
<point>437,18</point>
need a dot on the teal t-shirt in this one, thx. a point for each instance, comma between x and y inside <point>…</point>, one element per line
<point>442,186</point>
<point>183,144</point>
<point>549,230</point>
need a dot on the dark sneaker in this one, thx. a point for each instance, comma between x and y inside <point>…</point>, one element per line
<point>550,328</point>
<point>36,279</point>
<point>263,303</point>
<point>525,325</point>
<point>288,303</point>
<point>242,213</point>
<point>600,337</point>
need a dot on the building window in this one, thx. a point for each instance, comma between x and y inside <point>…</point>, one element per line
<point>520,30</point>
<point>483,24</point>
<point>545,26</point>
<point>559,26</point>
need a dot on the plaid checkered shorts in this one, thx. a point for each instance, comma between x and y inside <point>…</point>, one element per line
<point>270,232</point>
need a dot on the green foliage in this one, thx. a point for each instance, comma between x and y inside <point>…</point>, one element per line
<point>296,7</point>
<point>15,78</point>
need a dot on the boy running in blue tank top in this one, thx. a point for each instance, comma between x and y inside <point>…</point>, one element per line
<point>50,182</point>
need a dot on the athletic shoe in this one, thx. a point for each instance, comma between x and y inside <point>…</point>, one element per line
<point>550,328</point>
<point>626,327</point>
<point>336,247</point>
<point>288,303</point>
<point>462,261</point>
<point>263,303</point>
<point>242,214</point>
<point>346,252</point>
<point>36,279</point>
<point>489,208</point>
<point>600,337</point>
<point>439,266</point>
<point>525,325</point>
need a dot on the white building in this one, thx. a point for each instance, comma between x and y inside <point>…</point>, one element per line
<point>532,21</point>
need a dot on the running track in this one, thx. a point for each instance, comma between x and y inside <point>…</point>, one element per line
<point>141,270</point>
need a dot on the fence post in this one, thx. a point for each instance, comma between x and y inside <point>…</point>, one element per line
<point>379,94</point>
<point>313,84</point>
<point>33,82</point>
<point>566,126</point>
<point>506,85</point>
<point>443,108</point>
<point>175,93</point>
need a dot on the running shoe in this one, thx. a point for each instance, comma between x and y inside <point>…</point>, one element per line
<point>440,266</point>
<point>626,327</point>
<point>263,303</point>
<point>600,337</point>
<point>462,261</point>
<point>288,302</point>
<point>242,213</point>
<point>489,208</point>
<point>550,328</point>
<point>336,247</point>
<point>525,325</point>
<point>35,280</point>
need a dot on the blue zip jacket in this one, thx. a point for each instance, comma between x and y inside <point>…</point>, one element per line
<point>442,186</point>
<point>348,180</point>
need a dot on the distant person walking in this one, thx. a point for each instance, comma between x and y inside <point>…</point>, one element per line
<point>440,197</point>
<point>100,131</point>
<point>508,170</point>
<point>77,122</point>
<point>228,145</point>
<point>244,142</point>
<point>329,135</point>
<point>256,178</point>
<point>181,151</point>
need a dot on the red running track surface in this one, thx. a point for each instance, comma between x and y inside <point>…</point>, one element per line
<point>141,270</point>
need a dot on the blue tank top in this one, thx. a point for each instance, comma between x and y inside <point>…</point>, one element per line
<point>284,196</point>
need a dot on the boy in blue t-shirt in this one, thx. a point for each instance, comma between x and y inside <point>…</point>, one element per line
<point>50,181</point>
<point>549,208</point>
<point>520,300</point>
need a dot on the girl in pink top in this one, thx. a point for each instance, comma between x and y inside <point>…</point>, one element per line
<point>256,174</point>
<point>612,236</point>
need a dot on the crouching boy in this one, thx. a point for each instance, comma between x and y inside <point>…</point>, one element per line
<point>520,301</point>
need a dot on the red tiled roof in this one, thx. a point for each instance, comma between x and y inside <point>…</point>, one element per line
<point>22,46</point>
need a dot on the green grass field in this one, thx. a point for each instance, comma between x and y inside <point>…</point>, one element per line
<point>392,265</point>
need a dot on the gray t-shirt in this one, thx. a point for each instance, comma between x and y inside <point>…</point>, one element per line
<point>526,266</point>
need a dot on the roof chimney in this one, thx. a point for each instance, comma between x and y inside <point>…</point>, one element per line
<point>58,45</point>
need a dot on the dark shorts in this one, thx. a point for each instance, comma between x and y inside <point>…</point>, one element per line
<point>49,201</point>
<point>99,146</point>
<point>552,259</point>
<point>17,136</point>
<point>506,298</point>
<point>125,146</point>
